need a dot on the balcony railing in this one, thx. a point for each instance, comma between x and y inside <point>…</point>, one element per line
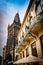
<point>38,18</point>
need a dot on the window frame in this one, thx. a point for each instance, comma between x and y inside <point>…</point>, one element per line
<point>34,50</point>
<point>27,51</point>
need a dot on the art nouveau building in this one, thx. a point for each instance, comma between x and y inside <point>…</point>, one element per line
<point>30,38</point>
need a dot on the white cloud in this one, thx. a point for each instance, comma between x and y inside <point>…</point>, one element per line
<point>8,18</point>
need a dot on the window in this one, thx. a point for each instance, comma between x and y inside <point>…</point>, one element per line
<point>34,51</point>
<point>20,55</point>
<point>41,39</point>
<point>23,53</point>
<point>27,52</point>
<point>16,57</point>
<point>23,63</point>
<point>27,63</point>
<point>39,7</point>
<point>36,63</point>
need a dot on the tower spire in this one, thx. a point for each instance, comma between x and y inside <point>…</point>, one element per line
<point>17,19</point>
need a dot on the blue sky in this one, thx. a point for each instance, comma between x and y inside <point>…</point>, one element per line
<point>8,9</point>
<point>18,3</point>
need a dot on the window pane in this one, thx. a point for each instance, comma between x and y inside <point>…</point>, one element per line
<point>23,53</point>
<point>34,51</point>
<point>27,52</point>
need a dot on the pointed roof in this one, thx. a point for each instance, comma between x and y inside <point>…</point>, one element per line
<point>17,19</point>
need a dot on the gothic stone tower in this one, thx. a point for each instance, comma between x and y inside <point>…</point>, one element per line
<point>12,36</point>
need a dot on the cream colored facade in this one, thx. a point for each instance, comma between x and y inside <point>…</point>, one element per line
<point>30,32</point>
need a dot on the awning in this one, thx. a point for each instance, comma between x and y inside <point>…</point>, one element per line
<point>10,62</point>
<point>28,60</point>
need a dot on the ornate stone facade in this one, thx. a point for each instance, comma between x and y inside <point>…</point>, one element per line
<point>12,40</point>
<point>30,36</point>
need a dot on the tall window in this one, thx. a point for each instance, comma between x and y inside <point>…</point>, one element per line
<point>27,52</point>
<point>39,6</point>
<point>23,53</point>
<point>34,51</point>
<point>20,55</point>
<point>41,39</point>
<point>16,57</point>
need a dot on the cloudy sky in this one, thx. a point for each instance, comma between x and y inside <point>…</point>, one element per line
<point>8,9</point>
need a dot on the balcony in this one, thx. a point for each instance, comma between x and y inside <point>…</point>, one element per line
<point>35,20</point>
